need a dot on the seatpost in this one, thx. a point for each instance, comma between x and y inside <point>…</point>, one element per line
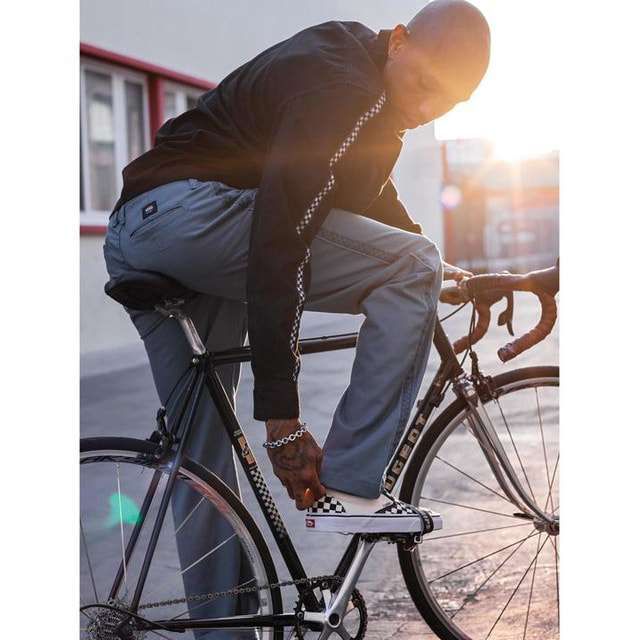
<point>171,309</point>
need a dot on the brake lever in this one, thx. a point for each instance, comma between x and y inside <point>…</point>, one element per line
<point>506,316</point>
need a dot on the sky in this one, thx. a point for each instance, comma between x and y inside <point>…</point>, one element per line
<point>516,105</point>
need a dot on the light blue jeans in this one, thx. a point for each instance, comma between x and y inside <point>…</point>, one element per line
<point>199,235</point>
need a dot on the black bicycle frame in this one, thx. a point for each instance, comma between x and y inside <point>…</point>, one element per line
<point>205,366</point>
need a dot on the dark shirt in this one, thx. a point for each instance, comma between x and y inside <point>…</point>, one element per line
<point>307,123</point>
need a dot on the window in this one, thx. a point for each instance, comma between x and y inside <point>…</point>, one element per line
<point>100,139</point>
<point>192,101</point>
<point>178,99</point>
<point>114,130</point>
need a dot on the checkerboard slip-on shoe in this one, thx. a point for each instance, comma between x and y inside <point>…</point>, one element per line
<point>340,512</point>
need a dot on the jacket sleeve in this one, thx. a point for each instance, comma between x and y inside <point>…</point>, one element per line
<point>311,154</point>
<point>388,208</point>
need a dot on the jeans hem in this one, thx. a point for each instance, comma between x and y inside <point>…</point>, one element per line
<point>347,483</point>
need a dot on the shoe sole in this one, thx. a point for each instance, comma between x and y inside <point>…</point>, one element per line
<point>369,524</point>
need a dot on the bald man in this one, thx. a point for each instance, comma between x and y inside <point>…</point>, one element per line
<point>273,195</point>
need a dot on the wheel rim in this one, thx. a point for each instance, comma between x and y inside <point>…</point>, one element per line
<point>109,508</point>
<point>487,572</point>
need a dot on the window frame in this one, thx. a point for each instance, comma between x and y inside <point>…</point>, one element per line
<point>182,92</point>
<point>119,75</point>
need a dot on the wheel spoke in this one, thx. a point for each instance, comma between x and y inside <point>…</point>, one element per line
<point>468,533</point>
<point>488,555</point>
<point>557,584</point>
<point>553,479</point>
<point>533,579</point>
<point>513,444</point>
<point>86,551</point>
<point>474,479</point>
<point>189,516</point>
<point>513,593</point>
<point>544,446</point>
<point>469,598</point>
<point>124,561</point>
<point>206,555</point>
<point>466,506</point>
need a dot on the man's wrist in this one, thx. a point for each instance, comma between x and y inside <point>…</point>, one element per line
<point>282,426</point>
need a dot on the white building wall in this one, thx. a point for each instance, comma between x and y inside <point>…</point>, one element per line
<point>104,324</point>
<point>208,39</point>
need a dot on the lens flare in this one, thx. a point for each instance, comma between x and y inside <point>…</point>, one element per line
<point>122,504</point>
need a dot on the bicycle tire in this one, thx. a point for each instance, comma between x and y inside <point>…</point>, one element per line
<point>432,614</point>
<point>202,480</point>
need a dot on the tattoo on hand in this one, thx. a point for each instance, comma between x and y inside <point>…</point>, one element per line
<point>291,457</point>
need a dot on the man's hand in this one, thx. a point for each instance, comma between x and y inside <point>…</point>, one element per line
<point>297,463</point>
<point>454,273</point>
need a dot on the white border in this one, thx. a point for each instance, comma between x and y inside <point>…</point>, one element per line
<point>600,232</point>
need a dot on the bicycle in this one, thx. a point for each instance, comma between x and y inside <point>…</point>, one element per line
<point>450,461</point>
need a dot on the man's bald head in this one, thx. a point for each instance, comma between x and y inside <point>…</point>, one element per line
<point>437,60</point>
<point>457,35</point>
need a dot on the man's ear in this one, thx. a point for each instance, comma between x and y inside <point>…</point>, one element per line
<point>397,39</point>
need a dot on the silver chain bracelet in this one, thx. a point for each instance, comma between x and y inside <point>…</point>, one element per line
<point>274,444</point>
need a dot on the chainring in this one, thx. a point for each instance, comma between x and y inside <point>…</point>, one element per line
<point>357,603</point>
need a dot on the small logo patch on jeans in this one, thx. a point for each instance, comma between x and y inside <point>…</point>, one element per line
<point>149,209</point>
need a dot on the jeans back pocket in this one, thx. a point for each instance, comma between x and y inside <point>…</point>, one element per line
<point>152,230</point>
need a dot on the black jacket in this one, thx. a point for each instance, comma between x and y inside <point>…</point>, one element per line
<point>306,122</point>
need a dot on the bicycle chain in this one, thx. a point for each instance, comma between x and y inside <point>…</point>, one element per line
<point>214,595</point>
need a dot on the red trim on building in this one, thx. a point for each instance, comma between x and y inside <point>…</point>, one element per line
<point>156,104</point>
<point>92,229</point>
<point>146,67</point>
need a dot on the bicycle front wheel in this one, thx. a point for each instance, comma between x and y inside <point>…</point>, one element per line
<point>209,558</point>
<point>489,573</point>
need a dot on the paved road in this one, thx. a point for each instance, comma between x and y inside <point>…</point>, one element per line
<point>323,378</point>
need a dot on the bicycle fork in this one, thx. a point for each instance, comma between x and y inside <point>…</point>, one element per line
<point>481,427</point>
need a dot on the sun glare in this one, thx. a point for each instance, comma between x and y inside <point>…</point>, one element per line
<point>512,149</point>
<point>515,106</point>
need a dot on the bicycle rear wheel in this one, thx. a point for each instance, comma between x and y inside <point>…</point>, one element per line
<point>115,476</point>
<point>489,573</point>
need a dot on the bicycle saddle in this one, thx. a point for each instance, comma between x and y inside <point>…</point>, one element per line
<point>143,290</point>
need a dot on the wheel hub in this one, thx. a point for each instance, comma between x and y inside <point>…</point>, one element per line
<point>551,527</point>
